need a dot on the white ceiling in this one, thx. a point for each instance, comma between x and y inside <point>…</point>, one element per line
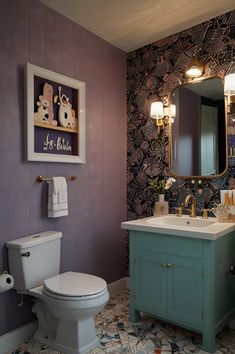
<point>131,24</point>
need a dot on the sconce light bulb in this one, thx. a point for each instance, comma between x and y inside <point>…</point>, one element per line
<point>195,69</point>
<point>194,72</point>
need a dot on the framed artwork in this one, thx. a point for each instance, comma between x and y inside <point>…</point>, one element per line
<point>55,105</point>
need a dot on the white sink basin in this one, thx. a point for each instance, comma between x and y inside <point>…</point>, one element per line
<point>184,226</point>
<point>184,221</point>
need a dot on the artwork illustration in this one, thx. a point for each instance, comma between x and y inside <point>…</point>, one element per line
<point>55,117</point>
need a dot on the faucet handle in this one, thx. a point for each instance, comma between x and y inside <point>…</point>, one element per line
<point>205,213</point>
<point>179,211</point>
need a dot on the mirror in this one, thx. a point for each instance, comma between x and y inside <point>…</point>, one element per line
<point>198,134</point>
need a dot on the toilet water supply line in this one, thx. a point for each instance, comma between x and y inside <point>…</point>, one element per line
<point>7,283</point>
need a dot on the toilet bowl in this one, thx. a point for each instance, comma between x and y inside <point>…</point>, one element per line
<point>72,300</point>
<point>64,304</point>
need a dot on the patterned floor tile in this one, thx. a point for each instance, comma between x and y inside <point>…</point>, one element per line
<point>150,336</point>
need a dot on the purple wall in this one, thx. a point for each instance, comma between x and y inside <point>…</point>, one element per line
<point>93,241</point>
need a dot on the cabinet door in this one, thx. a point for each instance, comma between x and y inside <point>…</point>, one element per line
<point>151,282</point>
<point>185,291</point>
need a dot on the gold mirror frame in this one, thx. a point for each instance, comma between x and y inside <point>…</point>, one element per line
<point>226,137</point>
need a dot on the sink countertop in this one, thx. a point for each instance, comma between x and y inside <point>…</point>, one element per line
<point>209,232</point>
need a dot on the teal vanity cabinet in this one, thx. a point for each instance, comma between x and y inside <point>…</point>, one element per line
<point>183,280</point>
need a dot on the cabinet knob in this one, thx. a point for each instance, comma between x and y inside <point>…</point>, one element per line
<point>167,265</point>
<point>170,265</point>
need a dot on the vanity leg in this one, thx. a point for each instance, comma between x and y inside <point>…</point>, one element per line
<point>209,276</point>
<point>208,341</point>
<point>134,315</point>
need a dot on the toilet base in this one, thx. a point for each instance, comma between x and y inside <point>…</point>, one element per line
<point>69,337</point>
<point>86,349</point>
<point>78,337</point>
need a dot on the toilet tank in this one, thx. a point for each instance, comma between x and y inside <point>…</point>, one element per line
<point>34,258</point>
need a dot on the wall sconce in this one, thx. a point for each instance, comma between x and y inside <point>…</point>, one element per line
<point>195,68</point>
<point>162,115</point>
<point>229,85</point>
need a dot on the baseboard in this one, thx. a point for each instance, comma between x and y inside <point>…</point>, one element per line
<point>118,286</point>
<point>11,339</point>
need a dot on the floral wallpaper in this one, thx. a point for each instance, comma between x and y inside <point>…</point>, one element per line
<point>153,72</point>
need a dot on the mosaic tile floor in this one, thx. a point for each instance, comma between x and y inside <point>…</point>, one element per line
<point>150,336</point>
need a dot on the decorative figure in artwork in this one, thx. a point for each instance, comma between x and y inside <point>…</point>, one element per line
<point>42,115</point>
<point>65,111</point>
<point>74,120</point>
<point>48,95</point>
<point>45,112</point>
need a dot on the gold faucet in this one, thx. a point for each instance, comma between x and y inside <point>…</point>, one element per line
<point>193,208</point>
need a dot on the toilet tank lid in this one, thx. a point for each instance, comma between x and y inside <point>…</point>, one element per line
<point>34,240</point>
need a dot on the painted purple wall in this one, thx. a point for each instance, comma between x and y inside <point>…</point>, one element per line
<point>92,240</point>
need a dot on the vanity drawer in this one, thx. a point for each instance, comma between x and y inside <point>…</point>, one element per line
<point>161,243</point>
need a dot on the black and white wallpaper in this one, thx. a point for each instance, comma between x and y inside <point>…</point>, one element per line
<point>153,73</point>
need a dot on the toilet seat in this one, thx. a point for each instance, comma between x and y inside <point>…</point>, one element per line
<point>74,286</point>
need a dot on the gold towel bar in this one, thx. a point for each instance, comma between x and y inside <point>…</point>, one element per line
<point>43,178</point>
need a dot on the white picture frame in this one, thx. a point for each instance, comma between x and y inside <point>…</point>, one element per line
<point>56,117</point>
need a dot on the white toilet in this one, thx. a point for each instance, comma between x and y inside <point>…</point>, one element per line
<point>64,303</point>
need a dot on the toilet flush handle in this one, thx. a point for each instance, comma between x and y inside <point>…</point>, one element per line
<point>26,254</point>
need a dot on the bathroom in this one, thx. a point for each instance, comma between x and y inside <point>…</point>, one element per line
<point>93,241</point>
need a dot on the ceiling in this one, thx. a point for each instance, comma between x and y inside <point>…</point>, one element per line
<point>131,24</point>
